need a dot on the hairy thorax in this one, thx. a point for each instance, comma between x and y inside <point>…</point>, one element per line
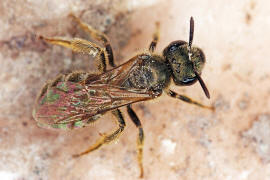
<point>151,73</point>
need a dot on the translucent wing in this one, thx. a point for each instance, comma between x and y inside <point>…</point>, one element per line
<point>68,105</point>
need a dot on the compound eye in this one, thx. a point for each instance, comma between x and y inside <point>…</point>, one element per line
<point>188,80</point>
<point>173,47</point>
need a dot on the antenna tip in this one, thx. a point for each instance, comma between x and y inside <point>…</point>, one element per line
<point>208,95</point>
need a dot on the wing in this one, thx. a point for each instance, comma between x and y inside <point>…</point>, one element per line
<point>71,105</point>
<point>118,75</point>
<point>68,105</point>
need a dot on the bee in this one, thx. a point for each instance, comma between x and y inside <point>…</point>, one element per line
<point>78,99</point>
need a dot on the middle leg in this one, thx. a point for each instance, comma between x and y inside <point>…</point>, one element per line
<point>140,139</point>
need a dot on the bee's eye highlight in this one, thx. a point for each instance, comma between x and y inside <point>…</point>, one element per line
<point>188,80</point>
<point>173,48</point>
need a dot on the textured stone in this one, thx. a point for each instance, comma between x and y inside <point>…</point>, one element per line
<point>182,140</point>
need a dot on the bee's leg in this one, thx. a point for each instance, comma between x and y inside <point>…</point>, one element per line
<point>82,46</point>
<point>187,99</point>
<point>99,36</point>
<point>105,139</point>
<point>155,40</point>
<point>140,139</point>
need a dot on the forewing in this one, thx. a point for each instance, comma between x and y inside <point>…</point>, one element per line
<point>70,104</point>
<point>117,75</point>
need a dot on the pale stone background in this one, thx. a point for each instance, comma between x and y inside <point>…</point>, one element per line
<point>182,141</point>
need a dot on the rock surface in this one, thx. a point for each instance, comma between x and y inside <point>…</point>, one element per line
<point>182,140</point>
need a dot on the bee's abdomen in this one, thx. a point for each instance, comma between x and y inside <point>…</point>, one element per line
<point>75,77</point>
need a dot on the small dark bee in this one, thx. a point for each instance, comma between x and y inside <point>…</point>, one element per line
<point>80,98</point>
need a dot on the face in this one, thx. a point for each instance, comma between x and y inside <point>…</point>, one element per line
<point>176,54</point>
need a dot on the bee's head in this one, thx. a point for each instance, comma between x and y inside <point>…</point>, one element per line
<point>177,56</point>
<point>185,61</point>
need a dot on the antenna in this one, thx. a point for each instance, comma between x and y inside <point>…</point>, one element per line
<point>191,34</point>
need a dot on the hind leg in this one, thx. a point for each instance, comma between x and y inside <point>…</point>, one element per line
<point>99,36</point>
<point>107,138</point>
<point>81,46</point>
